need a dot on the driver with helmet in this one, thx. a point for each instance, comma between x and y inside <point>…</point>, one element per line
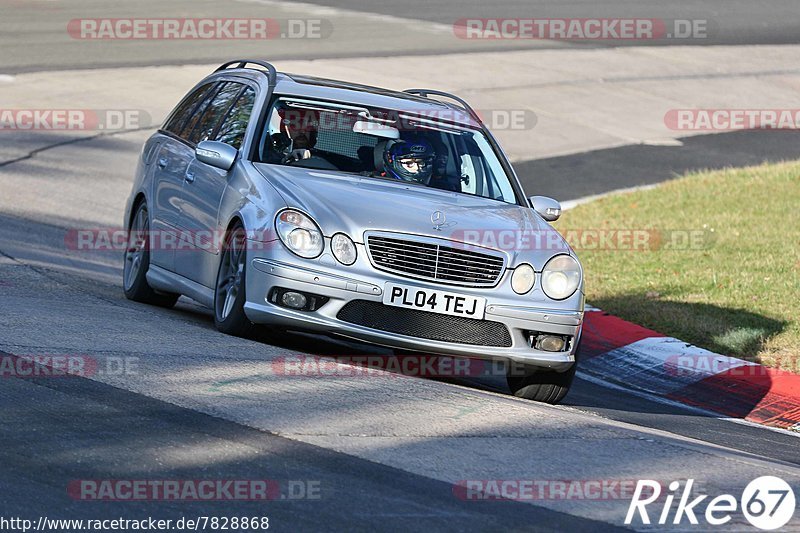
<point>409,159</point>
<point>414,158</point>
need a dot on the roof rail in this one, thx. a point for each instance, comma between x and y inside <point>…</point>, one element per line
<point>272,73</point>
<point>460,101</point>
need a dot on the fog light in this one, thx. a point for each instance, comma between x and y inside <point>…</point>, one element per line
<point>549,343</point>
<point>301,301</point>
<point>295,300</point>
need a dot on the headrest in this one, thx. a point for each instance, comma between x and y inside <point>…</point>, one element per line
<point>378,154</point>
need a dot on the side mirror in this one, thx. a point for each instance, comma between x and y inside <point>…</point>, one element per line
<point>547,208</point>
<point>216,154</point>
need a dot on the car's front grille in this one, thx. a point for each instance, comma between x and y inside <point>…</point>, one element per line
<point>425,325</point>
<point>430,260</point>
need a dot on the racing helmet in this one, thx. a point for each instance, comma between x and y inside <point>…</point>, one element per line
<point>410,159</point>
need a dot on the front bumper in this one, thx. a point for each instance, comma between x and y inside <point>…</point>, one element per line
<point>265,274</point>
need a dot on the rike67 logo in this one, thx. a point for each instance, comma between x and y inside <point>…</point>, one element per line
<point>766,502</point>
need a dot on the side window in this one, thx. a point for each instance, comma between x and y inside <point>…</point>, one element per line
<point>188,126</point>
<point>214,111</point>
<point>183,112</point>
<point>233,127</point>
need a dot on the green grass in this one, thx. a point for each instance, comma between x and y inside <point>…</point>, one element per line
<point>737,292</point>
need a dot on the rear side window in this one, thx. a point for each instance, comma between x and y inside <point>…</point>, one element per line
<point>184,111</point>
<point>234,126</point>
<point>214,112</point>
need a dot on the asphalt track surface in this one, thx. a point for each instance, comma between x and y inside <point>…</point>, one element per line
<point>33,33</point>
<point>56,301</point>
<point>63,425</point>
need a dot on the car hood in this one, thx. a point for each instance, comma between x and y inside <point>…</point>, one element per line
<point>353,204</point>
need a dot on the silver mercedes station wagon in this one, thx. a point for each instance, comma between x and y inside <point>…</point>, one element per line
<point>389,217</point>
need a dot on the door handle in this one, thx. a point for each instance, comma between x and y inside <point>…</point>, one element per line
<point>189,177</point>
<point>162,162</point>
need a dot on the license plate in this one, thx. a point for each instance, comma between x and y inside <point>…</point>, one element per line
<point>434,301</point>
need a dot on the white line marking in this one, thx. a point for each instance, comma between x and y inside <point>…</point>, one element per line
<point>569,204</point>
<point>7,78</point>
<point>662,142</point>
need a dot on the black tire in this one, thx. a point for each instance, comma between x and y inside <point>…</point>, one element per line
<point>137,263</point>
<point>229,290</point>
<point>540,384</point>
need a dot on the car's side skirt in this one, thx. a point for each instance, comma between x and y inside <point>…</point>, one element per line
<point>164,280</point>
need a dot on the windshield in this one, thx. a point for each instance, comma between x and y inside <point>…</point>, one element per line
<point>383,144</point>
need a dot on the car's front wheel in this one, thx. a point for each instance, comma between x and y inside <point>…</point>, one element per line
<point>137,262</point>
<point>229,293</point>
<point>541,385</point>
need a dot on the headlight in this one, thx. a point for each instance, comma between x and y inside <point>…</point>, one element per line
<point>344,249</point>
<point>561,277</point>
<point>522,279</point>
<point>299,233</point>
